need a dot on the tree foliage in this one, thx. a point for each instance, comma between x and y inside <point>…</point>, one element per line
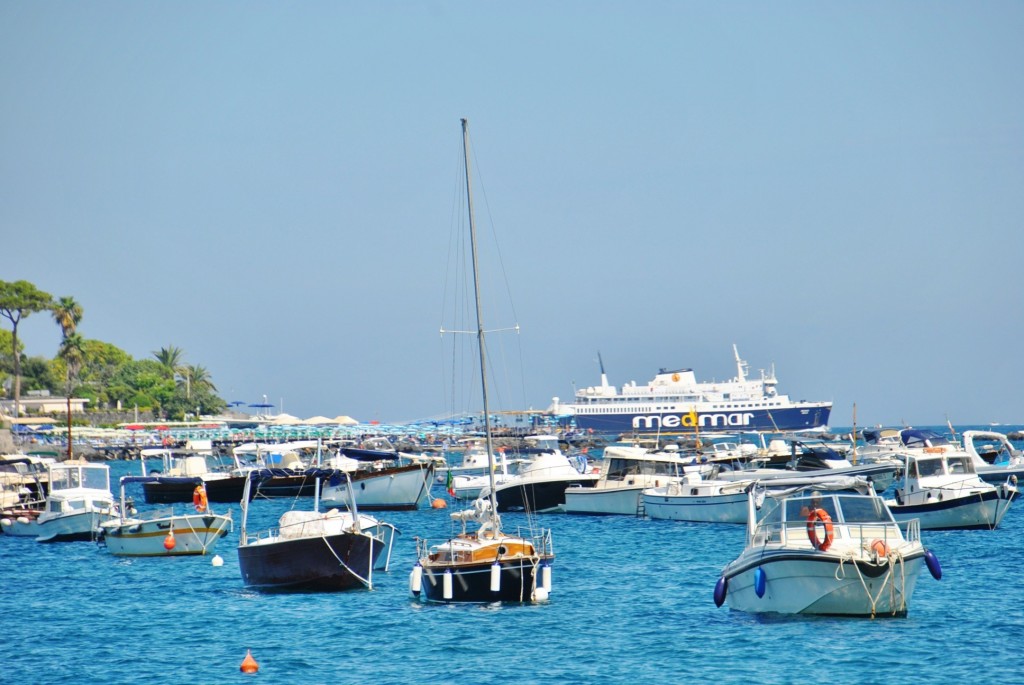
<point>98,370</point>
<point>18,300</point>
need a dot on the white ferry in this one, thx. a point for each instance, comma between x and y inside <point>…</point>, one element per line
<point>674,402</point>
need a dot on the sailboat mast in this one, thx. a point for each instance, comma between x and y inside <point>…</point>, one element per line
<point>479,318</point>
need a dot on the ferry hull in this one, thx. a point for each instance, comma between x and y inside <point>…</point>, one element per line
<point>808,416</point>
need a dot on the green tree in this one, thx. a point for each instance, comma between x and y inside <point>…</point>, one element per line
<point>18,300</point>
<point>39,373</point>
<point>7,358</point>
<point>101,363</point>
<point>142,383</point>
<point>170,358</point>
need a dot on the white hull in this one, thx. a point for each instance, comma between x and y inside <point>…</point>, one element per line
<point>402,490</point>
<point>78,526</point>
<point>192,534</point>
<point>966,511</point>
<point>728,507</point>
<point>816,583</point>
<point>624,499</point>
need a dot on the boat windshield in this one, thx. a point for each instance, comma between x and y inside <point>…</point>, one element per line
<point>922,468</point>
<point>96,478</point>
<point>961,464</point>
<point>91,477</point>
<point>619,469</point>
<point>845,508</point>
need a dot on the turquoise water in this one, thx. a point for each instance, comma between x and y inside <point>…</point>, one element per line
<point>631,603</point>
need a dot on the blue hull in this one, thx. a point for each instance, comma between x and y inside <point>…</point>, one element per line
<point>792,419</point>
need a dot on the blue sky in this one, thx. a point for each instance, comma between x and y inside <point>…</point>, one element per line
<point>834,187</point>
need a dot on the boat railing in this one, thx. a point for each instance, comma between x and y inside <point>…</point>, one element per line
<point>911,530</point>
<point>795,533</point>
<point>264,534</point>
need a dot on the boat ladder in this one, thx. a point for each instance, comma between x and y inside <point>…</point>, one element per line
<point>641,511</point>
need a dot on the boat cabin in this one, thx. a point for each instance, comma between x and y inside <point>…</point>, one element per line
<point>842,517</point>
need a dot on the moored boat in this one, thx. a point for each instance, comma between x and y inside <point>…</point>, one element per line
<point>163,532</point>
<point>831,554</point>
<point>944,492</point>
<point>486,564</point>
<point>310,550</point>
<point>77,502</point>
<point>624,473</point>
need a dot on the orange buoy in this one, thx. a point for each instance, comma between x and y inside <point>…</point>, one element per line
<point>439,504</point>
<point>880,548</point>
<point>169,541</point>
<point>249,664</point>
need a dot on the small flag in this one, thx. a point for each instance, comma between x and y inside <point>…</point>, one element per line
<point>449,484</point>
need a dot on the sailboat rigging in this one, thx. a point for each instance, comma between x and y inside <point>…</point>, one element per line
<point>485,565</point>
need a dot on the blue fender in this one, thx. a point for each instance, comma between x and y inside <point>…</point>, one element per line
<point>932,562</point>
<point>760,580</point>
<point>721,589</point>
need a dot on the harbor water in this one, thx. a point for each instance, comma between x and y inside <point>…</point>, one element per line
<point>631,602</point>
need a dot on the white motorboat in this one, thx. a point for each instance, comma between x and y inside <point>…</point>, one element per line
<point>475,463</point>
<point>541,484</point>
<point>698,500</point>
<point>163,532</point>
<point>995,458</point>
<point>816,459</point>
<point>381,479</point>
<point>469,487</point>
<point>943,491</point>
<point>625,472</point>
<point>725,501</point>
<point>77,503</point>
<point>832,554</point>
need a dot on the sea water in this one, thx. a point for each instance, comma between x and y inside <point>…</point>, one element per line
<point>631,602</point>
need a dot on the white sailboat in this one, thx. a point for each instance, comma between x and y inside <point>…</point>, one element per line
<point>486,564</point>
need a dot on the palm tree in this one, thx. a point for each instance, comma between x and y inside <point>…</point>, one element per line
<point>170,358</point>
<point>72,351</point>
<point>67,313</point>
<point>196,378</point>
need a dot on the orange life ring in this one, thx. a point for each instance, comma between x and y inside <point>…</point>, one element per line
<point>812,529</point>
<point>199,500</point>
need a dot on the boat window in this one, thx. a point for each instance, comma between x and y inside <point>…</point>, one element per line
<point>863,509</point>
<point>961,465</point>
<point>620,468</point>
<point>929,467</point>
<point>799,508</point>
<point>96,479</point>
<point>64,479</point>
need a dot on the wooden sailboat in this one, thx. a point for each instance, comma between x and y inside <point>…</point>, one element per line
<point>483,564</point>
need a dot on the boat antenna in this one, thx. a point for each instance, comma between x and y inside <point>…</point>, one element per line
<point>480,327</point>
<point>853,435</point>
